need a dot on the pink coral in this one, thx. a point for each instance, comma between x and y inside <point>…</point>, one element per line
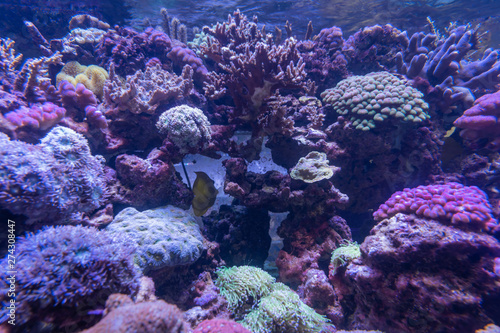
<point>220,326</point>
<point>40,116</point>
<point>465,207</point>
<point>481,121</point>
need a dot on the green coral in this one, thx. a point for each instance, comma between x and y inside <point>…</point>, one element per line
<point>274,306</point>
<point>344,254</point>
<point>238,284</point>
<point>313,168</point>
<point>377,97</point>
<point>283,311</point>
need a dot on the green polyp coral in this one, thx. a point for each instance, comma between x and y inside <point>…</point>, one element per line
<point>283,311</point>
<point>344,254</point>
<point>313,168</point>
<point>239,284</point>
<point>274,306</point>
<point>377,97</point>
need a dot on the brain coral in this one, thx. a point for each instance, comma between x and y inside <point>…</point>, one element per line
<point>465,207</point>
<point>376,97</point>
<point>54,181</point>
<point>313,168</point>
<point>92,77</point>
<point>186,127</point>
<point>68,268</point>
<point>167,236</point>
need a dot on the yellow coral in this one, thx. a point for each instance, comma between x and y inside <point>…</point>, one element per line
<point>92,77</point>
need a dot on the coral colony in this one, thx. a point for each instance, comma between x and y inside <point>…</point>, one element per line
<point>380,151</point>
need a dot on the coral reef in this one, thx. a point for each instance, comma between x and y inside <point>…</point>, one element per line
<point>480,123</point>
<point>167,236</point>
<point>186,127</point>
<point>62,272</point>
<point>431,270</point>
<point>55,181</point>
<point>376,97</point>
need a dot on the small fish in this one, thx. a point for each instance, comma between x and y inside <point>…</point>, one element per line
<point>205,193</point>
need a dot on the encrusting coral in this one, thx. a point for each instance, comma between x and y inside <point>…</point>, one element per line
<point>313,168</point>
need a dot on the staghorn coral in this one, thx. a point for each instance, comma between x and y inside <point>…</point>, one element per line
<point>145,91</point>
<point>54,182</point>
<point>375,98</point>
<point>443,61</point>
<point>186,127</point>
<point>464,207</point>
<point>480,123</point>
<point>167,236</point>
<point>313,168</point>
<point>65,271</point>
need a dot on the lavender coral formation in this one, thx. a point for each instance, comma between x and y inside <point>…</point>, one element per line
<point>167,236</point>
<point>39,116</point>
<point>431,269</point>
<point>54,181</point>
<point>480,122</point>
<point>64,271</point>
<point>376,97</point>
<point>464,207</point>
<point>186,127</point>
<point>154,316</point>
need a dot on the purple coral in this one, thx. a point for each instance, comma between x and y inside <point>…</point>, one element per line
<point>482,121</point>
<point>55,181</point>
<point>65,271</point>
<point>38,116</point>
<point>465,207</point>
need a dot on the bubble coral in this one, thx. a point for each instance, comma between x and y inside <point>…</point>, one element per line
<point>376,97</point>
<point>61,270</point>
<point>464,207</point>
<point>167,236</point>
<point>186,127</point>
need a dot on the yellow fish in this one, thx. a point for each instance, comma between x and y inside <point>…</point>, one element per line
<point>205,193</point>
